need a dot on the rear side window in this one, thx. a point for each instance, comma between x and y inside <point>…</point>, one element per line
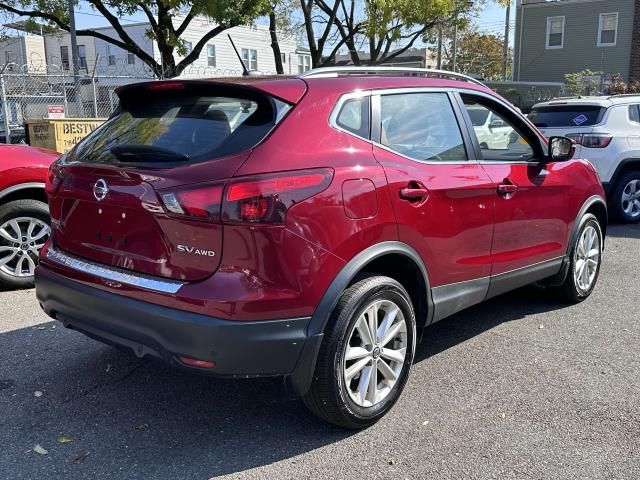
<point>354,116</point>
<point>421,126</point>
<point>566,116</point>
<point>180,128</point>
<point>634,113</point>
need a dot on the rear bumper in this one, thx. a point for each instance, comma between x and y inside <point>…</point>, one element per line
<point>238,348</point>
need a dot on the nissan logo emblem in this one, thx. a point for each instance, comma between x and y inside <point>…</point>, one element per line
<point>100,189</point>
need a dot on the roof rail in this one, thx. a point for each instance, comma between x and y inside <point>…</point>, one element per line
<point>618,95</point>
<point>392,71</point>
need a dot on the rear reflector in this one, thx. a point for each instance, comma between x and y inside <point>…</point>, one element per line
<point>266,198</point>
<point>192,362</point>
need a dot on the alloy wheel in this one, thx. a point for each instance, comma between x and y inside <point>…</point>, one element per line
<point>21,239</point>
<point>588,251</point>
<point>631,198</point>
<point>375,353</point>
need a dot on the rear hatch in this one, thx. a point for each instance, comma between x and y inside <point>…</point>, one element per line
<point>143,192</point>
<point>560,119</point>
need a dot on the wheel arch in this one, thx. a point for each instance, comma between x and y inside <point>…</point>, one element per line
<point>394,259</point>
<point>626,165</point>
<point>24,191</point>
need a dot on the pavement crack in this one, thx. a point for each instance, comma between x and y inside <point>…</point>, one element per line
<point>101,385</point>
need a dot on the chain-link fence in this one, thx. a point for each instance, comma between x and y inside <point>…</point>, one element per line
<point>54,93</point>
<point>37,92</point>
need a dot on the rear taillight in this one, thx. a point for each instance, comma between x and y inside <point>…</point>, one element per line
<point>166,86</point>
<point>591,140</point>
<point>54,178</point>
<point>201,202</point>
<point>266,198</point>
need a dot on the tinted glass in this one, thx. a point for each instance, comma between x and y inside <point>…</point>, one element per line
<point>354,116</point>
<point>193,127</point>
<point>566,116</point>
<point>634,113</point>
<point>478,115</point>
<point>421,126</point>
<point>498,139</point>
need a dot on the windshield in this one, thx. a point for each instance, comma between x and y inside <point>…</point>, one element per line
<point>566,116</point>
<point>186,128</point>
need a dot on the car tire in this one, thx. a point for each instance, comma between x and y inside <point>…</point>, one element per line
<point>19,253</point>
<point>585,261</point>
<point>625,198</point>
<point>343,390</point>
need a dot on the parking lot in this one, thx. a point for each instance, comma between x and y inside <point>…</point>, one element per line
<point>519,387</point>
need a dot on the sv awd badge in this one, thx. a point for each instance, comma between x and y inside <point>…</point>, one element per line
<point>195,251</point>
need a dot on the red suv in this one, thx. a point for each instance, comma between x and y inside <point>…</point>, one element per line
<point>308,227</point>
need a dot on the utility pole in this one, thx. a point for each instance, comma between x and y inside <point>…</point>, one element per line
<point>505,54</point>
<point>454,46</point>
<point>440,47</point>
<point>74,58</point>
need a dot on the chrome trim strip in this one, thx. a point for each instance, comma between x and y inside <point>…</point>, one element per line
<point>114,274</point>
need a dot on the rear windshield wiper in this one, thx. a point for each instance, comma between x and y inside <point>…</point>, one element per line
<point>146,153</point>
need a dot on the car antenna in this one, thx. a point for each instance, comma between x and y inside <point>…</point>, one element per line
<point>245,72</point>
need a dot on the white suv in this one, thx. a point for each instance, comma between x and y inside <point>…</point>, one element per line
<point>607,130</point>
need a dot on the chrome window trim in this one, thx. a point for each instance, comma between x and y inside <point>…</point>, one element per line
<point>114,274</point>
<point>375,96</point>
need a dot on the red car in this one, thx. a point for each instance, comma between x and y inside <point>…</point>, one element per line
<point>24,216</point>
<point>309,227</point>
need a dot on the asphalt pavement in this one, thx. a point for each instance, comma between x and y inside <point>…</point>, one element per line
<point>521,387</point>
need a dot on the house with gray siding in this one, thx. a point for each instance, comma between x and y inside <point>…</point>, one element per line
<point>556,37</point>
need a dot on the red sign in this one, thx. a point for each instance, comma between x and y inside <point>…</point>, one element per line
<point>55,111</point>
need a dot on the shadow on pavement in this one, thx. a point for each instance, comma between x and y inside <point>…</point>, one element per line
<point>624,231</point>
<point>140,419</point>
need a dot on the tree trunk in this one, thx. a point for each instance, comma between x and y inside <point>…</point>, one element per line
<point>275,46</point>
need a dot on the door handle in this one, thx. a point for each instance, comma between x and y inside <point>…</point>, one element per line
<point>507,189</point>
<point>414,193</point>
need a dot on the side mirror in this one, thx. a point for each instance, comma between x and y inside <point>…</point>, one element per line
<point>561,149</point>
<point>496,124</point>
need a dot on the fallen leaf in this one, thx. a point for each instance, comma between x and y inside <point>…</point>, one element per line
<point>109,368</point>
<point>40,450</point>
<point>541,327</point>
<point>65,439</point>
<point>426,422</point>
<point>80,458</point>
<point>37,394</point>
<point>144,426</point>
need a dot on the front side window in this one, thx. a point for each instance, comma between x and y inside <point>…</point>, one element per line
<point>64,57</point>
<point>555,32</point>
<point>608,29</point>
<point>82,56</point>
<point>250,58</point>
<point>211,55</point>
<point>304,63</point>
<point>421,126</point>
<point>498,138</point>
<point>111,57</point>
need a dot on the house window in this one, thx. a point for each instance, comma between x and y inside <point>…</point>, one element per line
<point>211,55</point>
<point>304,63</point>
<point>9,57</point>
<point>111,58</point>
<point>64,57</point>
<point>131,58</point>
<point>555,32</point>
<point>283,57</point>
<point>250,58</point>
<point>608,29</point>
<point>188,47</point>
<point>82,56</point>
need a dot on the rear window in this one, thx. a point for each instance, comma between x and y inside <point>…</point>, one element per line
<point>180,128</point>
<point>566,116</point>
